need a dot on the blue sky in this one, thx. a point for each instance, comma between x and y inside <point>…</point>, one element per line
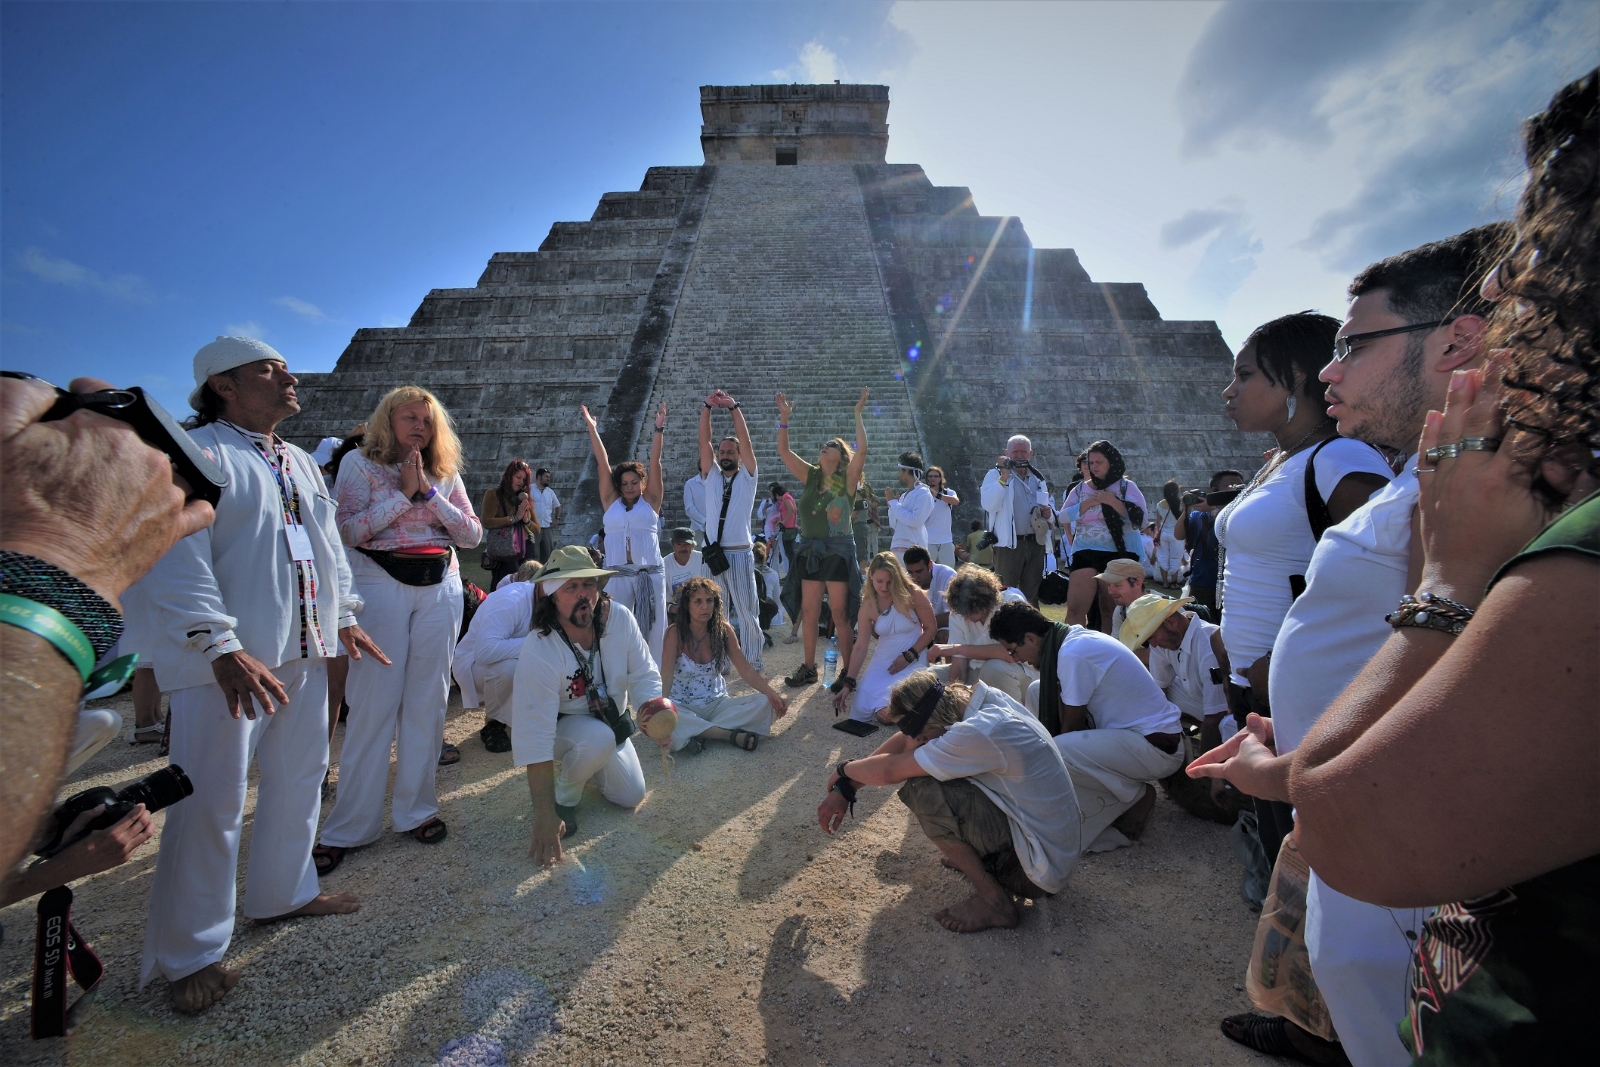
<point>297,171</point>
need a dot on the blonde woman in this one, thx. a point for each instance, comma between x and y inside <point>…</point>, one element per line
<point>900,616</point>
<point>402,509</point>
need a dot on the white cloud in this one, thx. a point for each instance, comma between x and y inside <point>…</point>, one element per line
<point>248,328</point>
<point>816,64</point>
<point>127,287</point>
<point>303,308</point>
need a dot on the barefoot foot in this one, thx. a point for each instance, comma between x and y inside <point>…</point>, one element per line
<point>198,991</point>
<point>975,913</point>
<point>322,904</point>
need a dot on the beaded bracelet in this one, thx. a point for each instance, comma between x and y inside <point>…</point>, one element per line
<point>1431,612</point>
<point>32,579</point>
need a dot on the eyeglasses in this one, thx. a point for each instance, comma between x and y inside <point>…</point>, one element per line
<point>1343,346</point>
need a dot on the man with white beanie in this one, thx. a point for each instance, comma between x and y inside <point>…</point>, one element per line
<point>245,616</point>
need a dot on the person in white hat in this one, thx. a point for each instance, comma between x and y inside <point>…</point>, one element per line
<point>244,619</point>
<point>324,451</point>
<point>579,669</point>
<point>1123,581</point>
<point>1187,661</point>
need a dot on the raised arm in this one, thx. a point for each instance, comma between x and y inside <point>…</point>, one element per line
<point>654,489</point>
<point>949,498</point>
<point>708,459</point>
<point>602,461</point>
<point>741,430</point>
<point>859,462</point>
<point>797,466</point>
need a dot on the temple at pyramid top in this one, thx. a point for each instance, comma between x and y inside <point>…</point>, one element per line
<point>794,124</point>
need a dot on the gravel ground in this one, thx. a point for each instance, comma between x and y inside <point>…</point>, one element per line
<point>715,925</point>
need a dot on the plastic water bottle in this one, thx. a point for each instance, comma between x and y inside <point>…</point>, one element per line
<point>830,662</point>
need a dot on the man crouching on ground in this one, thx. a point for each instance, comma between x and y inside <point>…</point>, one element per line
<point>988,786</point>
<point>579,667</point>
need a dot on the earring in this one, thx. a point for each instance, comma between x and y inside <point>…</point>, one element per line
<point>1291,405</point>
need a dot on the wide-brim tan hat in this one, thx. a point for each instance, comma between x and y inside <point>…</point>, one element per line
<point>1146,615</point>
<point>569,562</point>
<point>1120,570</point>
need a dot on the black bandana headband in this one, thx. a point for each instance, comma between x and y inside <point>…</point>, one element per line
<point>912,723</point>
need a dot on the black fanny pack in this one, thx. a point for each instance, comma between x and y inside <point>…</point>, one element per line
<point>411,570</point>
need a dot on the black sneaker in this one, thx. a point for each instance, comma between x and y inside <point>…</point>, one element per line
<point>495,737</point>
<point>570,817</point>
<point>805,674</point>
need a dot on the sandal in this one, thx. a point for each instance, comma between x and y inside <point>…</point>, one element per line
<point>448,755</point>
<point>327,858</point>
<point>805,674</point>
<point>495,736</point>
<point>744,739</point>
<point>430,832</point>
<point>1270,1034</point>
<point>148,735</point>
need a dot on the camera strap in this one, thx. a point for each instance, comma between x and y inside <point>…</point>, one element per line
<point>57,952</point>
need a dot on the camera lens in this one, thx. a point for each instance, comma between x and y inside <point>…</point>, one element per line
<point>158,789</point>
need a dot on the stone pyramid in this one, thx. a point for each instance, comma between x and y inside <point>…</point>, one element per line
<point>796,259</point>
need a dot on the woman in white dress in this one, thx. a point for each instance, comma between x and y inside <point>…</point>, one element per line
<point>698,649</point>
<point>900,617</point>
<point>632,532</point>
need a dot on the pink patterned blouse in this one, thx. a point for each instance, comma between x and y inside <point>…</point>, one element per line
<point>374,514</point>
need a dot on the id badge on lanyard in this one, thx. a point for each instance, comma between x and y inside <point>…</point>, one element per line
<point>299,542</point>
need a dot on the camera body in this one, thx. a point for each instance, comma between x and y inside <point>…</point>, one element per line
<point>155,791</point>
<point>988,540</point>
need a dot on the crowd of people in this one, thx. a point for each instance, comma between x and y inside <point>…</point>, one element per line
<point>1351,633</point>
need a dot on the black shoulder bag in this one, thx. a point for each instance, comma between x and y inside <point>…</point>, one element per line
<point>601,703</point>
<point>1317,513</point>
<point>712,555</point>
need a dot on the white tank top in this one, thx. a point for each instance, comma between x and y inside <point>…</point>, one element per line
<point>632,536</point>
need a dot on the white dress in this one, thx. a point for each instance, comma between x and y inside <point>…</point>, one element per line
<point>633,548</point>
<point>701,694</point>
<point>896,631</point>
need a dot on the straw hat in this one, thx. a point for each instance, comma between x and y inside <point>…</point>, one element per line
<point>1146,615</point>
<point>566,563</point>
<point>1120,570</point>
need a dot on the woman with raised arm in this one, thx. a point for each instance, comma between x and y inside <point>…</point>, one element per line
<point>700,647</point>
<point>899,615</point>
<point>825,558</point>
<point>632,529</point>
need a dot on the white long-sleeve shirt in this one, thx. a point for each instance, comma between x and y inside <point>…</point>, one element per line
<point>233,585</point>
<point>501,622</point>
<point>545,686</point>
<point>997,501</point>
<point>693,506</point>
<point>908,514</point>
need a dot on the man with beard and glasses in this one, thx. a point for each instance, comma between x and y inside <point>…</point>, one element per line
<point>1414,320</point>
<point>728,494</point>
<point>583,663</point>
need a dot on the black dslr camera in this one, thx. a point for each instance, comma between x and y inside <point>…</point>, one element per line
<point>153,425</point>
<point>155,791</point>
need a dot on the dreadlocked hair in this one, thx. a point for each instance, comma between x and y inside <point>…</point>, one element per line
<point>1549,316</point>
<point>716,626</point>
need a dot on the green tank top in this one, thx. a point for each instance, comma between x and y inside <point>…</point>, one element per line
<point>825,508</point>
<point>1510,978</point>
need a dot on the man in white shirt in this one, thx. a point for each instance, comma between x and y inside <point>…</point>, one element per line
<point>244,617</point>
<point>728,493</point>
<point>1123,580</point>
<point>694,506</point>
<point>934,579</point>
<point>1013,494</point>
<point>547,509</point>
<point>486,658</point>
<point>973,597</point>
<point>683,563</point>
<point>1187,660</point>
<point>1116,729</point>
<point>941,539</point>
<point>581,664</point>
<point>987,787</point>
<point>909,509</point>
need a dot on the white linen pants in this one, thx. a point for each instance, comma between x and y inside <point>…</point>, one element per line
<point>943,553</point>
<point>752,712</point>
<point>1109,770</point>
<point>399,706</point>
<point>622,589</point>
<point>193,894</point>
<point>494,688</point>
<point>586,748</point>
<point>1012,679</point>
<point>1361,959</point>
<point>742,604</point>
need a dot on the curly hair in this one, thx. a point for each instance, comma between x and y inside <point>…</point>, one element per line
<point>974,589</point>
<point>547,617</point>
<point>442,457</point>
<point>716,627</point>
<point>1116,470</point>
<point>1549,314</point>
<point>623,468</point>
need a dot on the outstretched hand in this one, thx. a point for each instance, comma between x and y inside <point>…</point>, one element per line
<point>785,409</point>
<point>588,419</point>
<point>1249,759</point>
<point>861,405</point>
<point>831,812</point>
<point>661,416</point>
<point>356,642</point>
<point>245,681</point>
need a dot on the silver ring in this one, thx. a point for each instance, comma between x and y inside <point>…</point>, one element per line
<point>1438,452</point>
<point>1423,470</point>
<point>1479,444</point>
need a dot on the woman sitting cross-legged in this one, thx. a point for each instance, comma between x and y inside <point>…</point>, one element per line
<point>698,649</point>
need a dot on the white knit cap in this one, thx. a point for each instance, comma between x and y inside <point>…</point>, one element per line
<point>226,353</point>
<point>325,450</point>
